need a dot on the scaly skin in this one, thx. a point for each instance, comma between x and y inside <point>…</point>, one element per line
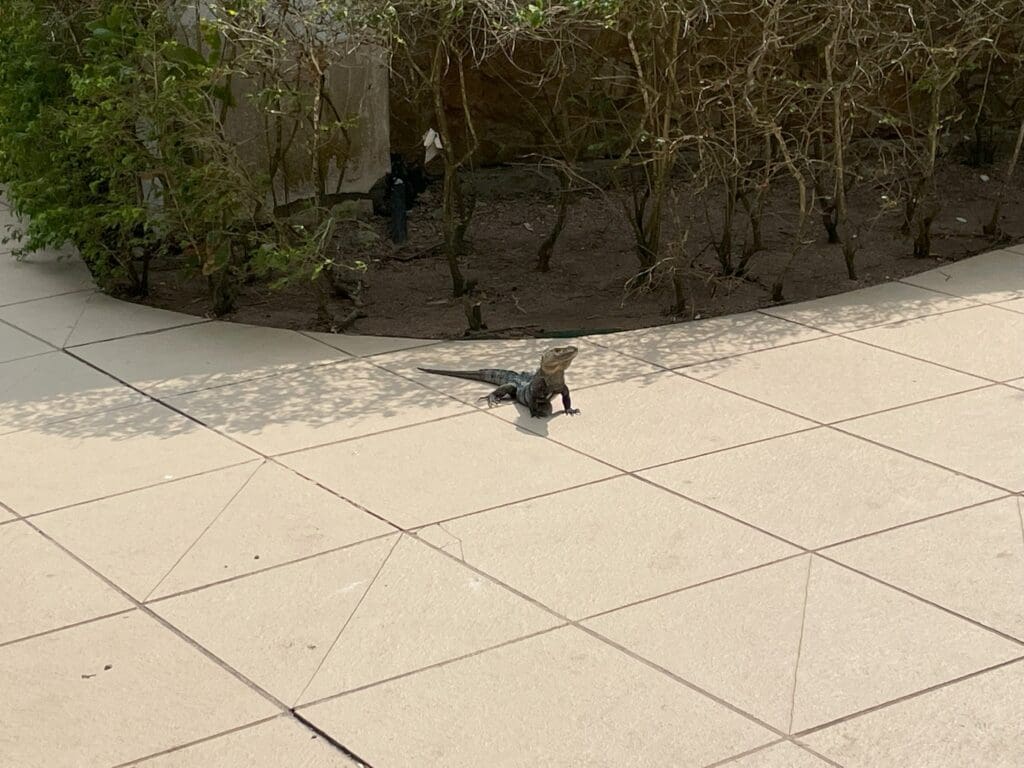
<point>534,390</point>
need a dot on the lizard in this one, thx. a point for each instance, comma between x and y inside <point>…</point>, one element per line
<point>534,390</point>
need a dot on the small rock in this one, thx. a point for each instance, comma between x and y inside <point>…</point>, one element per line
<point>961,219</point>
<point>984,177</point>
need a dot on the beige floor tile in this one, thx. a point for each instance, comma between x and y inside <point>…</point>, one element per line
<point>784,755</point>
<point>135,539</point>
<point>980,433</point>
<point>425,609</point>
<point>85,317</point>
<point>864,644</point>
<point>577,702</point>
<point>278,627</point>
<point>41,274</point>
<point>861,643</point>
<point>1018,383</point>
<point>655,419</point>
<point>111,691</point>
<point>737,638</point>
<point>994,276</point>
<point>976,722</point>
<point>206,355</point>
<point>276,517</point>
<point>601,546</point>
<point>673,346</point>
<point>51,387</point>
<point>216,526</point>
<point>432,472</point>
<point>15,344</point>
<point>971,562</point>
<point>275,627</point>
<point>365,346</point>
<point>279,743</point>
<point>983,341</point>
<point>107,453</point>
<point>832,379</point>
<point>879,304</point>
<point>45,588</point>
<point>593,365</point>
<point>820,487</point>
<point>316,406</point>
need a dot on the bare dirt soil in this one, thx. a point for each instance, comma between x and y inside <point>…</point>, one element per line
<point>407,290</point>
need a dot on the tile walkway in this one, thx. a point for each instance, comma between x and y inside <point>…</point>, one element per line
<point>786,539</point>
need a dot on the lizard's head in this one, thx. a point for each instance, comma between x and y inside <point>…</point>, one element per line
<point>557,359</point>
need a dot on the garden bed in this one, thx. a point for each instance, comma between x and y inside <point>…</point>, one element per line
<point>407,290</point>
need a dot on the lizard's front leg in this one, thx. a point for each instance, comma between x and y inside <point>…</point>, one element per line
<point>567,403</point>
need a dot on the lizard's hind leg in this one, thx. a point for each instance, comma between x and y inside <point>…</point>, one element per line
<point>504,392</point>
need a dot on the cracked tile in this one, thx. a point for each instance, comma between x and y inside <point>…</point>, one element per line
<point>126,670</point>
<point>431,472</point>
<point>15,344</point>
<point>275,744</point>
<point>832,379</point>
<point>980,433</point>
<point>51,387</point>
<point>45,588</point>
<point>971,562</point>
<point>655,419</point>
<point>279,627</point>
<point>877,305</point>
<point>107,453</point>
<point>577,702</point>
<point>861,643</point>
<point>973,722</point>
<point>316,406</point>
<point>820,487</point>
<point>206,355</point>
<point>990,277</point>
<point>983,341</point>
<point>601,546</point>
<point>219,525</point>
<point>698,341</point>
<point>85,317</point>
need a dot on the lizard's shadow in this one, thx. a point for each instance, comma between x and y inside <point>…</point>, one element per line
<point>529,425</point>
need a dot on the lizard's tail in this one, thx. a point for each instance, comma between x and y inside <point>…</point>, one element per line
<point>486,375</point>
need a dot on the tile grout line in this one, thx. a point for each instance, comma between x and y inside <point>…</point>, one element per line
<point>269,568</point>
<point>909,523</point>
<point>906,697</point>
<point>430,667</point>
<point>202,533</point>
<point>348,620</point>
<point>20,302</point>
<point>909,356</point>
<point>926,601</point>
<point>182,636</point>
<point>723,763</point>
<point>141,334</point>
<point>151,486</point>
<point>196,742</point>
<point>800,642</point>
<point>72,625</point>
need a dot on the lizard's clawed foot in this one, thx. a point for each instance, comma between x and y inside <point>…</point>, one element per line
<point>572,411</point>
